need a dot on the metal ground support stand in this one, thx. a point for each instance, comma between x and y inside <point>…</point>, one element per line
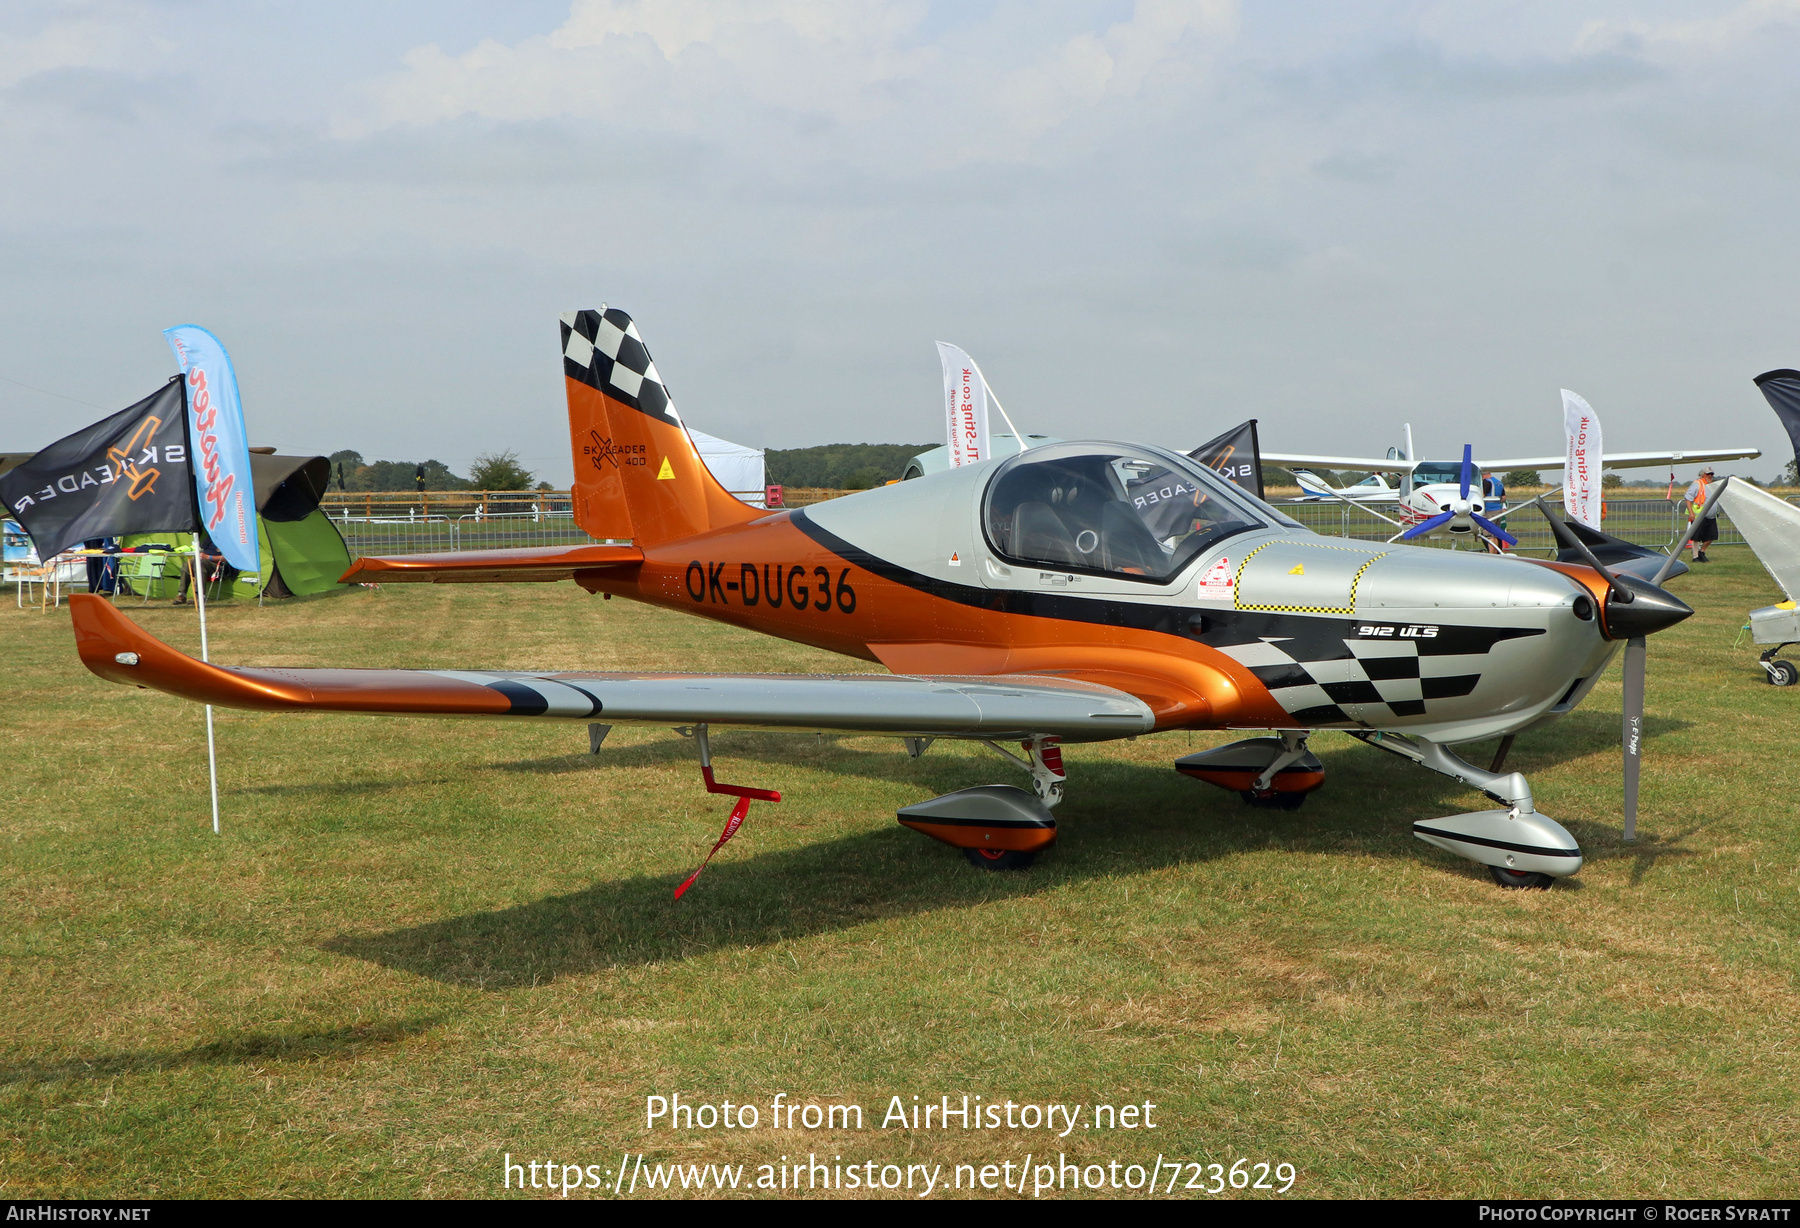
<point>1045,766</point>
<point>1521,847</point>
<point>1781,673</point>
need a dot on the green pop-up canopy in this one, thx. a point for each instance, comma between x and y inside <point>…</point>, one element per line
<point>302,551</point>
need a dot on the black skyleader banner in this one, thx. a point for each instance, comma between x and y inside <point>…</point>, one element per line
<point>1782,389</point>
<point>1236,456</point>
<point>124,474</point>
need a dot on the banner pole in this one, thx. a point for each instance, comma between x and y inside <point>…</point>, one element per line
<point>212,758</point>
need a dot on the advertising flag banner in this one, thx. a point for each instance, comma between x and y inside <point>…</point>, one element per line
<point>1236,456</point>
<point>965,407</point>
<point>124,474</point>
<point>1782,390</point>
<point>1581,467</point>
<point>215,420</point>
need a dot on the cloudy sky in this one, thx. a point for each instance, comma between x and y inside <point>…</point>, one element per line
<point>1146,220</point>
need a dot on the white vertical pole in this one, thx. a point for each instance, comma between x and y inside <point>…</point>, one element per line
<point>212,759</point>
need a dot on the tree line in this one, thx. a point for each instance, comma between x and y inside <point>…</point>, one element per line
<point>490,471</point>
<point>840,466</point>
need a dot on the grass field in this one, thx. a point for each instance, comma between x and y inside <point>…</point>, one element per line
<point>421,946</point>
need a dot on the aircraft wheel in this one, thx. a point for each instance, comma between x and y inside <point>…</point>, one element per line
<point>1783,673</point>
<point>1520,879</point>
<point>999,859</point>
<point>1272,801</point>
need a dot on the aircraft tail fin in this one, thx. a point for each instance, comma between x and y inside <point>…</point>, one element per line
<point>638,475</point>
<point>1311,483</point>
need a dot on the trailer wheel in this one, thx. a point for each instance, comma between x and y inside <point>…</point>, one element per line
<point>1783,673</point>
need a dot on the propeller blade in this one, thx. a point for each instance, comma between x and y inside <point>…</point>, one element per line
<point>1495,529</point>
<point>1635,654</point>
<point>1468,463</point>
<point>1712,500</point>
<point>1426,526</point>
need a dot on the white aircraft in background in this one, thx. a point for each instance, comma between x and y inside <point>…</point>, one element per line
<point>1435,490</point>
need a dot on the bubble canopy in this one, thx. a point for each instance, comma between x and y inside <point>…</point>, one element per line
<point>1112,509</point>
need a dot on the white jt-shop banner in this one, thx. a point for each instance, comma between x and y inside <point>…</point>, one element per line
<point>965,406</point>
<point>1581,469</point>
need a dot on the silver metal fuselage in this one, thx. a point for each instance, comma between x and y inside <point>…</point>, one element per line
<point>1326,623</point>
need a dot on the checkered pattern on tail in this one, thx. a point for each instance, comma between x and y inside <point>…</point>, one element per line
<point>603,350</point>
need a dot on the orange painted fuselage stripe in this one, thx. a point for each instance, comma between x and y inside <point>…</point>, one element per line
<point>769,576</point>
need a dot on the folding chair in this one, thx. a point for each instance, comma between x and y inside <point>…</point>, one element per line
<point>140,571</point>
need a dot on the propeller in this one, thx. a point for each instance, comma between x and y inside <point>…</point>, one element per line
<point>1460,515</point>
<point>1634,609</point>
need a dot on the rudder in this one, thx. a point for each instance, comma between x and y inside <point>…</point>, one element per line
<point>637,473</point>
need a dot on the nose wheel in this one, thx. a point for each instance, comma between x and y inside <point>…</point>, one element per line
<point>1520,879</point>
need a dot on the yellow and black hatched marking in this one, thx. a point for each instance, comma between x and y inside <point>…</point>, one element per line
<point>1282,546</point>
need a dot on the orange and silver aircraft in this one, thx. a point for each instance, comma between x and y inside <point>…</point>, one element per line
<point>1075,592</point>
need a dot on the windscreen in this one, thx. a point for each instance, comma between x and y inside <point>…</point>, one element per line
<point>1111,510</point>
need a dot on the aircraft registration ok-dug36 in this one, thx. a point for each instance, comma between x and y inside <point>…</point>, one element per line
<point>1075,592</point>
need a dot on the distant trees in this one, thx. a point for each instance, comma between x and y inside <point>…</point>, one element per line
<point>359,474</point>
<point>1523,477</point>
<point>840,466</point>
<point>499,471</point>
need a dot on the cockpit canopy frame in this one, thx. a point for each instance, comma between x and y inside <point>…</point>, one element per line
<point>1123,511</point>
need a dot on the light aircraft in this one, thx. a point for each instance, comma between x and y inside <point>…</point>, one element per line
<point>1074,592</point>
<point>1771,526</point>
<point>1426,490</point>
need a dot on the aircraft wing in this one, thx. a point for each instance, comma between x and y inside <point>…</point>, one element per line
<point>532,563</point>
<point>1771,526</point>
<point>1361,464</point>
<point>1002,706</point>
<point>1629,460</point>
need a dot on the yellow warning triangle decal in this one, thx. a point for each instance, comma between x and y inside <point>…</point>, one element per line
<point>1299,568</point>
<point>667,472</point>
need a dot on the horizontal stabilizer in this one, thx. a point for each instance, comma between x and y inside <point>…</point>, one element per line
<point>1003,707</point>
<point>529,564</point>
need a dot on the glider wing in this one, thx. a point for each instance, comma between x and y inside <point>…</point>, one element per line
<point>998,707</point>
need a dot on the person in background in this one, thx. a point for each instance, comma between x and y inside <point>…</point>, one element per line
<point>1707,531</point>
<point>209,557</point>
<point>102,571</point>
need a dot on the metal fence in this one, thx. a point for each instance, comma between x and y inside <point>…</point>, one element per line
<point>377,524</point>
<point>1658,523</point>
<point>419,534</point>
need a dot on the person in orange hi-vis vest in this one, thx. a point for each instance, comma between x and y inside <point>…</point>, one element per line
<point>1707,531</point>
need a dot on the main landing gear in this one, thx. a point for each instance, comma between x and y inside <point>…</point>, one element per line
<point>1781,673</point>
<point>997,827</point>
<point>1270,773</point>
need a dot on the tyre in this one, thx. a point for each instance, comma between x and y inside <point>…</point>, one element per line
<point>1520,879</point>
<point>1783,673</point>
<point>999,859</point>
<point>1272,800</point>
